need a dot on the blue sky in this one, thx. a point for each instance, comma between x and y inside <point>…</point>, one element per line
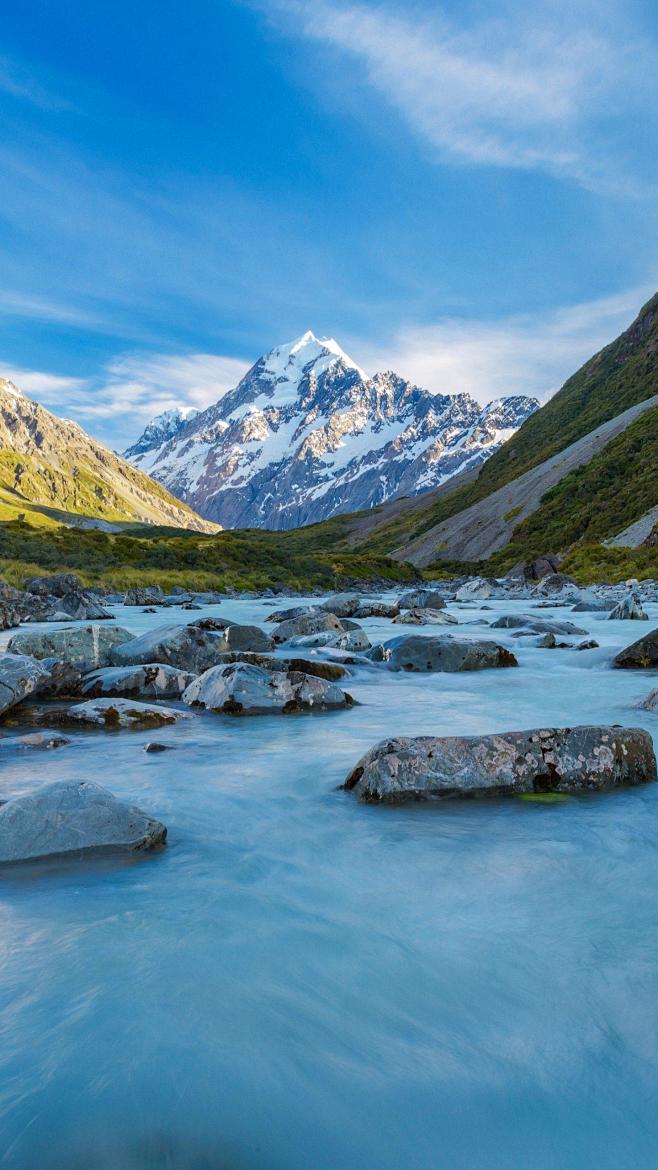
<point>464,192</point>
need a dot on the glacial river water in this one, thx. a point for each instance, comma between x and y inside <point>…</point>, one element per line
<point>300,982</point>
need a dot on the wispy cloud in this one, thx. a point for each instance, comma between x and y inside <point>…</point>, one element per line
<point>131,390</point>
<point>18,82</point>
<point>524,354</point>
<point>509,91</point>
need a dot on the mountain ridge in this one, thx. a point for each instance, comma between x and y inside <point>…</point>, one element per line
<point>306,435</point>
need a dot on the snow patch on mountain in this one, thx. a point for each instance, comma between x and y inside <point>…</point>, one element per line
<point>307,434</point>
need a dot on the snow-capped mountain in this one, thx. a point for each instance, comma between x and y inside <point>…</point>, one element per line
<point>160,430</point>
<point>307,434</point>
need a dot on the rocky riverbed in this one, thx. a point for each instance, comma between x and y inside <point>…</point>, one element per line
<point>301,979</point>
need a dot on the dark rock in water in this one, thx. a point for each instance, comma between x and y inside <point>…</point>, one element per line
<point>58,585</point>
<point>376,609</point>
<point>64,679</point>
<point>73,817</point>
<point>343,605</point>
<point>158,747</point>
<point>593,605</point>
<point>243,689</point>
<point>150,595</point>
<point>154,680</point>
<point>81,607</point>
<point>86,647</point>
<point>537,625</point>
<point>415,652</point>
<point>189,647</point>
<point>315,622</point>
<point>294,611</point>
<point>639,655</point>
<point>589,644</point>
<point>33,741</point>
<point>577,759</point>
<point>20,676</point>
<point>331,671</point>
<point>421,599</point>
<point>113,714</point>
<point>424,617</point>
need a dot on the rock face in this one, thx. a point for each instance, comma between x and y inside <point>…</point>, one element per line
<point>20,676</point>
<point>114,714</point>
<point>307,434</point>
<point>86,647</point>
<point>190,647</point>
<point>567,759</point>
<point>81,607</point>
<point>243,689</point>
<point>73,816</point>
<point>154,680</point>
<point>416,652</point>
<point>640,654</point>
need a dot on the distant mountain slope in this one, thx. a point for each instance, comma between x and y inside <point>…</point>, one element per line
<point>53,471</point>
<point>307,435</point>
<point>622,375</point>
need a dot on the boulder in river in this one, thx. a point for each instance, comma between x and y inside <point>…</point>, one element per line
<point>243,689</point>
<point>417,652</point>
<point>114,714</point>
<point>421,599</point>
<point>86,647</point>
<point>639,655</point>
<point>10,615</point>
<point>81,607</point>
<point>154,680</point>
<point>567,759</point>
<point>535,625</point>
<point>376,609</point>
<point>342,604</point>
<point>477,589</point>
<point>73,816</point>
<point>312,622</point>
<point>424,617</point>
<point>149,595</point>
<point>189,647</point>
<point>33,741</point>
<point>650,703</point>
<point>628,609</point>
<point>329,670</point>
<point>20,676</point>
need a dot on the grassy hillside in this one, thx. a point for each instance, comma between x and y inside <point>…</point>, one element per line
<point>50,469</point>
<point>622,374</point>
<point>246,559</point>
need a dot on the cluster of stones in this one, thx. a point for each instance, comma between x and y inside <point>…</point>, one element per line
<point>103,676</point>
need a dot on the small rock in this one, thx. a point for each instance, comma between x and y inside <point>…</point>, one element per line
<point>114,714</point>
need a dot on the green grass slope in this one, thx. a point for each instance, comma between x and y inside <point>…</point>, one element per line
<point>622,374</point>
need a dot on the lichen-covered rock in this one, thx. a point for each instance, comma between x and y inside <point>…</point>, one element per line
<point>113,714</point>
<point>650,703</point>
<point>190,647</point>
<point>73,816</point>
<point>329,670</point>
<point>243,689</point>
<point>293,611</point>
<point>154,680</point>
<point>628,609</point>
<point>10,615</point>
<point>86,647</point>
<point>424,617</point>
<point>639,655</point>
<point>20,676</point>
<point>313,622</point>
<point>351,640</point>
<point>421,599</point>
<point>376,609</point>
<point>567,759</point>
<point>150,595</point>
<point>416,652</point>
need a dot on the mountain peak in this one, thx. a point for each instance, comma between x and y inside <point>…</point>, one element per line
<point>287,363</point>
<point>10,388</point>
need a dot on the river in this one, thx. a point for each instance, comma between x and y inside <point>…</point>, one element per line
<point>301,982</point>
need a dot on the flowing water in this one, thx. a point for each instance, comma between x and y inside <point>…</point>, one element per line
<point>301,982</point>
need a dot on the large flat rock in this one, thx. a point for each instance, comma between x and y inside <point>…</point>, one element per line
<point>86,647</point>
<point>567,759</point>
